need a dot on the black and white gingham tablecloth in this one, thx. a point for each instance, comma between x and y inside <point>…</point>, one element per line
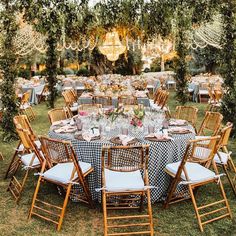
<point>160,154</point>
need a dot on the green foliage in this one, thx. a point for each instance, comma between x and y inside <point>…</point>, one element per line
<point>68,71</point>
<point>156,65</point>
<point>228,62</point>
<point>8,66</point>
<point>208,57</point>
<point>83,71</point>
<point>51,68</point>
<point>24,73</point>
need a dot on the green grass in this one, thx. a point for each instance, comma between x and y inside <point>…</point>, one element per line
<point>178,220</point>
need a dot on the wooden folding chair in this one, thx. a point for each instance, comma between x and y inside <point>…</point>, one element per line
<point>57,114</point>
<point>25,107</point>
<point>213,103</point>
<point>125,184</point>
<point>127,100</point>
<point>188,113</point>
<point>65,171</point>
<point>210,125</point>
<point>70,100</point>
<point>33,160</point>
<point>23,121</point>
<point>193,171</point>
<point>44,94</point>
<point>105,101</point>
<point>223,156</point>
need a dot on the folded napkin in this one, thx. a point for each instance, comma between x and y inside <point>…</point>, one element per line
<point>62,122</point>
<point>86,95</point>
<point>65,129</point>
<point>140,94</point>
<point>178,122</point>
<point>125,139</point>
<point>179,129</point>
<point>159,136</point>
<point>88,135</point>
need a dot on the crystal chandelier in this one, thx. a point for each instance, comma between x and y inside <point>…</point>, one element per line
<point>112,47</point>
<point>209,33</point>
<point>159,47</point>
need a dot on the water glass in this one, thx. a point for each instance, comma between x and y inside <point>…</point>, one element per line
<point>151,129</point>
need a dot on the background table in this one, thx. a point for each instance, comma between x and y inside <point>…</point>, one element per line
<point>161,153</point>
<point>34,91</point>
<point>88,100</point>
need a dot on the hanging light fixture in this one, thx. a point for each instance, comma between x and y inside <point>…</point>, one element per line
<point>112,47</point>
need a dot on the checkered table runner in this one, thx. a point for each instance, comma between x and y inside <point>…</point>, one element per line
<point>160,154</point>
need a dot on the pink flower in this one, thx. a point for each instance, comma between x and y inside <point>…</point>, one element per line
<point>139,123</point>
<point>83,113</point>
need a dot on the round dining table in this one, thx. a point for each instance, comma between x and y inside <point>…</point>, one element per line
<point>160,154</point>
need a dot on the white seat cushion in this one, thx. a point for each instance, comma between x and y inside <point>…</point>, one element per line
<point>74,108</point>
<point>223,158</point>
<point>62,172</point>
<point>26,159</point>
<point>195,171</point>
<point>123,181</point>
<point>80,88</point>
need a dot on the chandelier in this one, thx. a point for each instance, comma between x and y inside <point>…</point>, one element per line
<point>159,47</point>
<point>112,47</point>
<point>209,33</point>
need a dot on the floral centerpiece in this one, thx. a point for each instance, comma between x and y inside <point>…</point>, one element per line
<point>103,88</point>
<point>139,84</point>
<point>88,87</point>
<point>113,113</point>
<point>138,116</point>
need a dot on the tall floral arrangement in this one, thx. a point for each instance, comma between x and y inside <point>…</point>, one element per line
<point>8,67</point>
<point>228,61</point>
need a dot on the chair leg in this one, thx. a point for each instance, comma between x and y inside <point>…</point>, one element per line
<point>171,191</point>
<point>195,208</point>
<point>225,198</point>
<point>104,203</point>
<point>34,197</point>
<point>150,212</point>
<point>11,166</point>
<point>64,207</point>
<point>22,185</point>
<point>229,178</point>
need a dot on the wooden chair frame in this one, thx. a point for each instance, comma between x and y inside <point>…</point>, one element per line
<point>125,199</point>
<point>189,156</point>
<point>28,111</point>
<point>57,114</point>
<point>25,124</point>
<point>229,166</point>
<point>59,211</point>
<point>15,186</point>
<point>188,113</point>
<point>211,122</point>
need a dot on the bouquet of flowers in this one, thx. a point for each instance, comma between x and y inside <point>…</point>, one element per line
<point>139,114</point>
<point>113,113</point>
<point>103,88</point>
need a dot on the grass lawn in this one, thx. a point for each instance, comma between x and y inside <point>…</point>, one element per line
<point>178,220</point>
